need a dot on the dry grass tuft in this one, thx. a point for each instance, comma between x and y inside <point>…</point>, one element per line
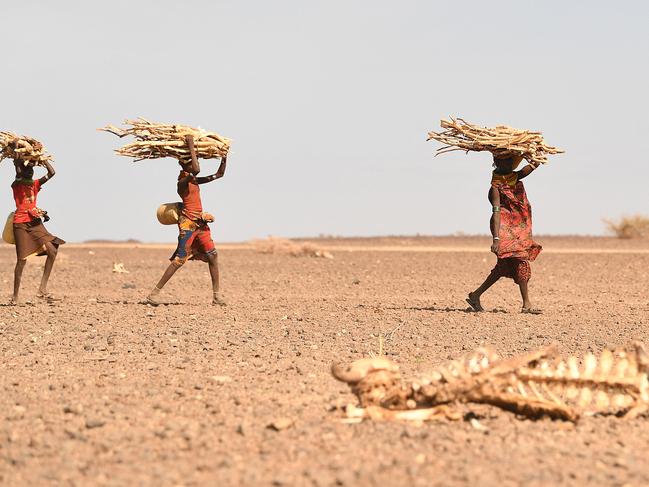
<point>278,245</point>
<point>634,226</point>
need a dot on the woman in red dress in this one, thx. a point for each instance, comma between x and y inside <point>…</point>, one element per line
<point>511,229</point>
<point>194,236</point>
<point>29,232</point>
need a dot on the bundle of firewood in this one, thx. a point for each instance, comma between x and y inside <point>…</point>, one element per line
<point>533,384</point>
<point>22,148</point>
<point>501,140</point>
<point>155,140</point>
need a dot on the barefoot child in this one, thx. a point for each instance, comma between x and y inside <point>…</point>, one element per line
<point>194,237</point>
<point>511,228</point>
<point>29,233</point>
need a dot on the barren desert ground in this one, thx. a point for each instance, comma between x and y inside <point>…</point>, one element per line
<point>101,390</point>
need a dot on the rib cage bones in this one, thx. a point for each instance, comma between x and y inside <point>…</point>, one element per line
<point>533,384</point>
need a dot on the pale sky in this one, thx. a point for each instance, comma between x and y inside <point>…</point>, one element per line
<point>328,104</point>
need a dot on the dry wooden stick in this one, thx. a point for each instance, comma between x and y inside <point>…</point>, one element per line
<point>500,140</point>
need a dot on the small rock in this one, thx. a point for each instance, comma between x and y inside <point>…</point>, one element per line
<point>478,425</point>
<point>280,424</point>
<point>18,412</point>
<point>72,409</point>
<point>75,435</point>
<point>94,423</point>
<point>220,379</point>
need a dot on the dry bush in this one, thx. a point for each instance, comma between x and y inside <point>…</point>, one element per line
<point>634,226</point>
<point>278,245</point>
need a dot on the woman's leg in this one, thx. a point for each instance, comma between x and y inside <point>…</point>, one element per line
<point>213,263</point>
<point>185,238</point>
<point>523,276</point>
<point>52,251</point>
<point>170,271</point>
<point>525,295</point>
<point>18,274</point>
<point>474,297</point>
<point>499,270</point>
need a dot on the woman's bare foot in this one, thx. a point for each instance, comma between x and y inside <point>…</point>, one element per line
<point>474,302</point>
<point>531,310</point>
<point>152,298</point>
<point>49,297</point>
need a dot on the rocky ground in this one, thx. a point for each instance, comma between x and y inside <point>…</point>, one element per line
<point>101,390</point>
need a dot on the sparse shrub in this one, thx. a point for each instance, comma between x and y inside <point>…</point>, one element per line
<point>633,226</point>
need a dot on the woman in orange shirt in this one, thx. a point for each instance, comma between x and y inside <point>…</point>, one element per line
<point>194,236</point>
<point>29,232</point>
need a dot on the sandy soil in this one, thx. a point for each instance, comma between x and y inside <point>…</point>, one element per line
<point>101,390</point>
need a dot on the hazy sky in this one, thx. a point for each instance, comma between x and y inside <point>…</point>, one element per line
<point>329,104</point>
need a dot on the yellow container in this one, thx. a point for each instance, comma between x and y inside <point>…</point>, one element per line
<point>8,230</point>
<point>168,213</point>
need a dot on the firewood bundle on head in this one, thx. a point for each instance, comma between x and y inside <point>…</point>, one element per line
<point>501,140</point>
<point>155,140</point>
<point>22,148</point>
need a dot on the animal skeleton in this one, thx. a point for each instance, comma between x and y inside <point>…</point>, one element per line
<point>534,384</point>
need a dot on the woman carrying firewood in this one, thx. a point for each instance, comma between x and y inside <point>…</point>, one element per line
<point>511,228</point>
<point>194,237</point>
<point>30,234</point>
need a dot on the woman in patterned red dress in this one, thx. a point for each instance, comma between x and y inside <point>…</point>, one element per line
<point>511,229</point>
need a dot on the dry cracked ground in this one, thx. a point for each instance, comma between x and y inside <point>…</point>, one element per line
<point>101,390</point>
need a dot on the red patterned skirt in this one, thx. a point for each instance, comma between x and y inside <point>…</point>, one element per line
<point>517,269</point>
